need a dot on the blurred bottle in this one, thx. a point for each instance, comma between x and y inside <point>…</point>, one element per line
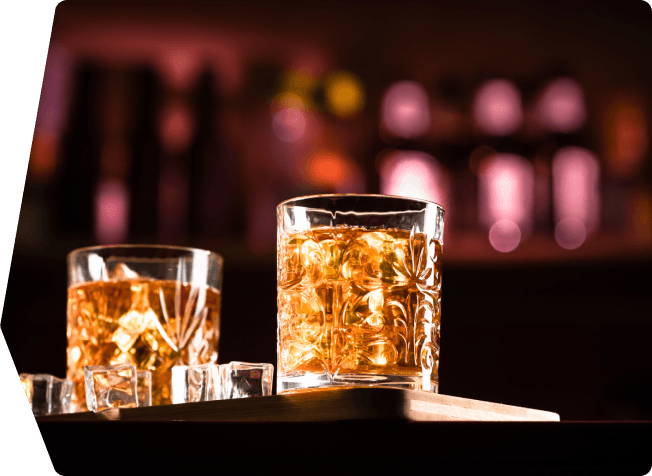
<point>214,197</point>
<point>77,175</point>
<point>146,157</point>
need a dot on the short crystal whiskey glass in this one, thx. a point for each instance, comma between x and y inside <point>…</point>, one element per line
<point>153,307</point>
<point>359,292</point>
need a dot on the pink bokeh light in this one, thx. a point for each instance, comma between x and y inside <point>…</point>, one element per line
<point>561,106</point>
<point>111,212</point>
<point>405,110</point>
<point>416,175</point>
<point>576,195</point>
<point>570,233</point>
<point>504,236</point>
<point>497,108</point>
<point>176,126</point>
<point>506,191</point>
<point>289,124</point>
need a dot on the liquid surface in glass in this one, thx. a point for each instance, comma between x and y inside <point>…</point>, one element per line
<point>151,324</point>
<point>359,305</point>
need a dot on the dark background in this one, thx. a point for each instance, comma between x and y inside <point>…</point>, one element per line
<point>540,327</point>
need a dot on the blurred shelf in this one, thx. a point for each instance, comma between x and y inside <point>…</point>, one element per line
<point>465,249</point>
<point>475,249</point>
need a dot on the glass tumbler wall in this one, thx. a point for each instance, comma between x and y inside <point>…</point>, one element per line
<point>150,306</point>
<point>359,292</point>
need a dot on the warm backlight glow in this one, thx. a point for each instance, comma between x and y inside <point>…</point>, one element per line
<point>626,137</point>
<point>415,175</point>
<point>505,198</point>
<point>497,108</point>
<point>111,212</point>
<point>344,94</point>
<point>406,110</point>
<point>561,106</point>
<point>176,127</point>
<point>180,66</point>
<point>639,215</point>
<point>576,195</point>
<point>42,160</point>
<point>329,170</point>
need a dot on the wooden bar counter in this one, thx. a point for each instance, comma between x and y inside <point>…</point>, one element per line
<point>348,431</point>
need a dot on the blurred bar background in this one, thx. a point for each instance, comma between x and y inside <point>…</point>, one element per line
<point>186,124</point>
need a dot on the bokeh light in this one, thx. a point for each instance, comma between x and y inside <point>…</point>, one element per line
<point>561,106</point>
<point>329,170</point>
<point>576,195</point>
<point>505,236</point>
<point>111,211</point>
<point>289,124</point>
<point>302,80</point>
<point>506,194</point>
<point>570,233</point>
<point>497,108</point>
<point>406,110</point>
<point>176,126</point>
<point>42,160</point>
<point>414,174</point>
<point>344,93</point>
<point>180,65</point>
<point>626,137</point>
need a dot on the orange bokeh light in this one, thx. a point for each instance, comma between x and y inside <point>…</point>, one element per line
<point>344,94</point>
<point>42,161</point>
<point>625,132</point>
<point>331,170</point>
<point>326,169</point>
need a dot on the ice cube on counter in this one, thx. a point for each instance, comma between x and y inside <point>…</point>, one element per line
<point>47,394</point>
<point>243,380</point>
<point>110,386</point>
<point>195,383</point>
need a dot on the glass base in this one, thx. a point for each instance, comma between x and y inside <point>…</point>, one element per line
<point>297,382</point>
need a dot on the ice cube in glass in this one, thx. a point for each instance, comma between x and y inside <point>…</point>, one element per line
<point>110,386</point>
<point>243,380</point>
<point>195,383</point>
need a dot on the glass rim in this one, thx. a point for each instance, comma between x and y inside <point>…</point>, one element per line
<point>199,251</point>
<point>361,195</point>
